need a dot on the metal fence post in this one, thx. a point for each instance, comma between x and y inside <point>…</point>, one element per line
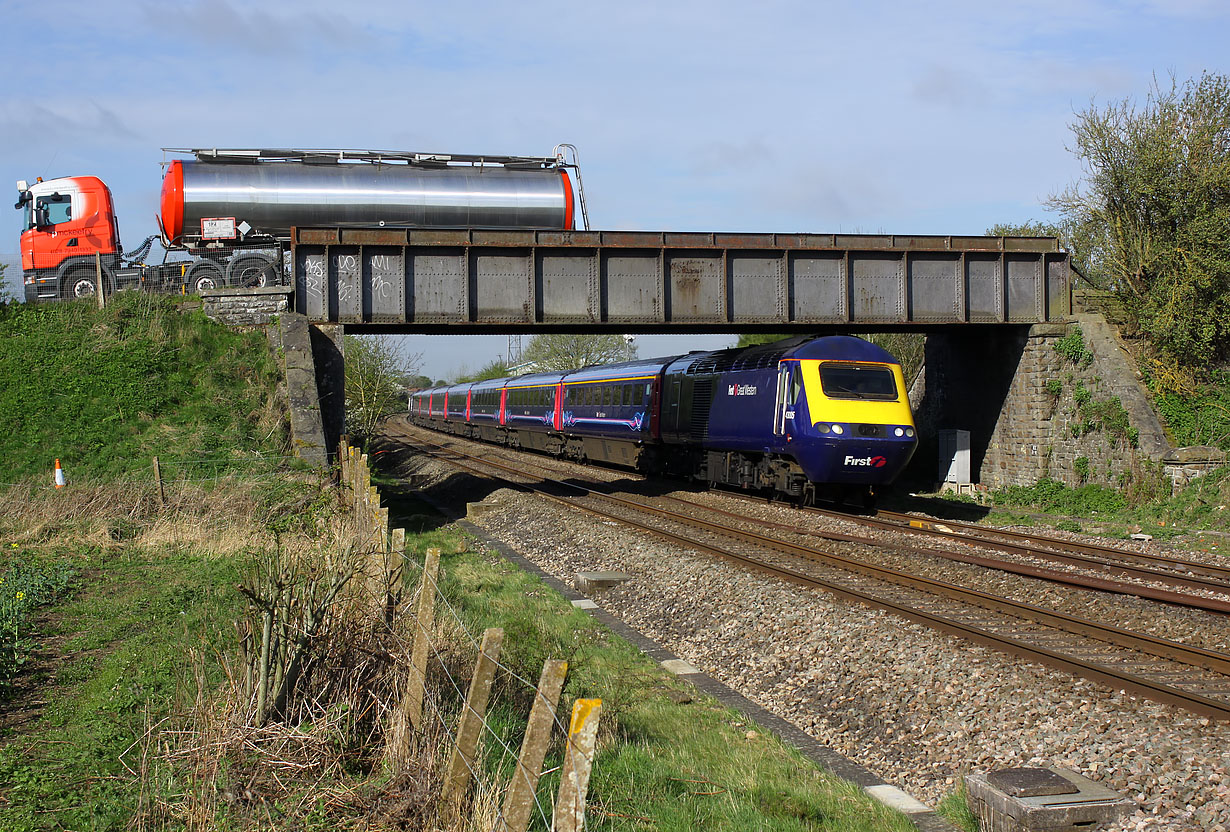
<point>461,760</point>
<point>519,799</point>
<point>569,815</point>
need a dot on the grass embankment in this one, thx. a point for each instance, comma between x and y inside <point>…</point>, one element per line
<point>105,390</point>
<point>130,696</point>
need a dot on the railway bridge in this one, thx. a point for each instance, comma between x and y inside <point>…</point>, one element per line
<point>991,308</point>
<point>476,280</point>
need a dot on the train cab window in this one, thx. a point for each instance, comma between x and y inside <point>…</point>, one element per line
<point>852,381</point>
<point>796,386</point>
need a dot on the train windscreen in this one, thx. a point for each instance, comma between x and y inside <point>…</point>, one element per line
<point>857,381</point>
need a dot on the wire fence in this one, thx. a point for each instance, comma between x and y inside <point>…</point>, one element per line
<point>162,473</point>
<point>521,797</point>
<point>430,690</point>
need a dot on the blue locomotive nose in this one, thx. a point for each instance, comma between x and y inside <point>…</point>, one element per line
<point>856,461</point>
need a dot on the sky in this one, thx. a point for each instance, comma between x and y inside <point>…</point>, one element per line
<point>944,117</point>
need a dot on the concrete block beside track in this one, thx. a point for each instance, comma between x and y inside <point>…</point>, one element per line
<point>591,582</point>
<point>1034,799</point>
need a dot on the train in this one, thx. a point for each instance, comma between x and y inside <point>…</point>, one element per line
<point>226,214</point>
<point>805,419</point>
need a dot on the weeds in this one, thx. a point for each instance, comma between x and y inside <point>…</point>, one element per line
<point>1073,347</point>
<point>24,587</point>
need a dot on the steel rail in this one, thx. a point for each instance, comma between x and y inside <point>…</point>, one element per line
<point>1094,549</point>
<point>1194,656</point>
<point>978,538</point>
<point>1070,578</point>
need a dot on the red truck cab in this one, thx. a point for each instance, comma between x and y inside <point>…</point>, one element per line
<point>66,222</point>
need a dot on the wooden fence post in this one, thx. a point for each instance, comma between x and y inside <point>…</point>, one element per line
<point>98,277</point>
<point>569,815</point>
<point>425,617</point>
<point>397,557</point>
<point>162,494</point>
<point>461,759</point>
<point>519,799</point>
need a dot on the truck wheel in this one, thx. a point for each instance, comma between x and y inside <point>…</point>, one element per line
<point>251,271</point>
<point>203,276</point>
<point>82,283</point>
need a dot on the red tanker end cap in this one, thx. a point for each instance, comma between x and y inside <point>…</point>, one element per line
<point>568,209</point>
<point>173,200</point>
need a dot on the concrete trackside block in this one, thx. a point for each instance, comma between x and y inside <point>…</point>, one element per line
<point>895,798</point>
<point>1051,799</point>
<point>679,667</point>
<point>585,604</point>
<point>591,582</point>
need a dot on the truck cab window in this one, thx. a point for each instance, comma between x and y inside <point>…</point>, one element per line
<point>56,208</point>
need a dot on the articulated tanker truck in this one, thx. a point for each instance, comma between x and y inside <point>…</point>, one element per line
<point>226,215</point>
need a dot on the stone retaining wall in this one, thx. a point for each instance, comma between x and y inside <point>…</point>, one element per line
<point>246,307</point>
<point>1018,397</point>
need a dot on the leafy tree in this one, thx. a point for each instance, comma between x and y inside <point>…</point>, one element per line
<point>755,339</point>
<point>6,294</point>
<point>1029,228</point>
<point>496,368</point>
<point>375,374</point>
<point>417,382</point>
<point>1150,219</point>
<point>906,347</point>
<point>567,352</point>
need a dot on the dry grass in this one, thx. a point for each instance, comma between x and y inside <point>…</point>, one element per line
<point>224,516</point>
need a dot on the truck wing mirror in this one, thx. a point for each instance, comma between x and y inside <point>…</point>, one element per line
<point>42,218</point>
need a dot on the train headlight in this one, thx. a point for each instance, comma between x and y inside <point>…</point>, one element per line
<point>898,432</point>
<point>823,428</point>
<point>909,432</point>
<point>838,429</point>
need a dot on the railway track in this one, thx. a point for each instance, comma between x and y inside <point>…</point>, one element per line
<point>1154,576</point>
<point>1192,678</point>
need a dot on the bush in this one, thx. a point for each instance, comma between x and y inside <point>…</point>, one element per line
<point>1053,496</point>
<point>1199,416</point>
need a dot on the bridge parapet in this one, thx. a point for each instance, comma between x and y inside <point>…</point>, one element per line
<point>628,281</point>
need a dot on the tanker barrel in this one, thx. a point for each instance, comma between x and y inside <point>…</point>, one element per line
<point>274,197</point>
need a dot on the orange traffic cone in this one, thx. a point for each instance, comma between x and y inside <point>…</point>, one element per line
<point>59,475</point>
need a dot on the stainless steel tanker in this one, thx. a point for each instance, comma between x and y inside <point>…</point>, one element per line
<point>268,194</point>
<point>227,214</point>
